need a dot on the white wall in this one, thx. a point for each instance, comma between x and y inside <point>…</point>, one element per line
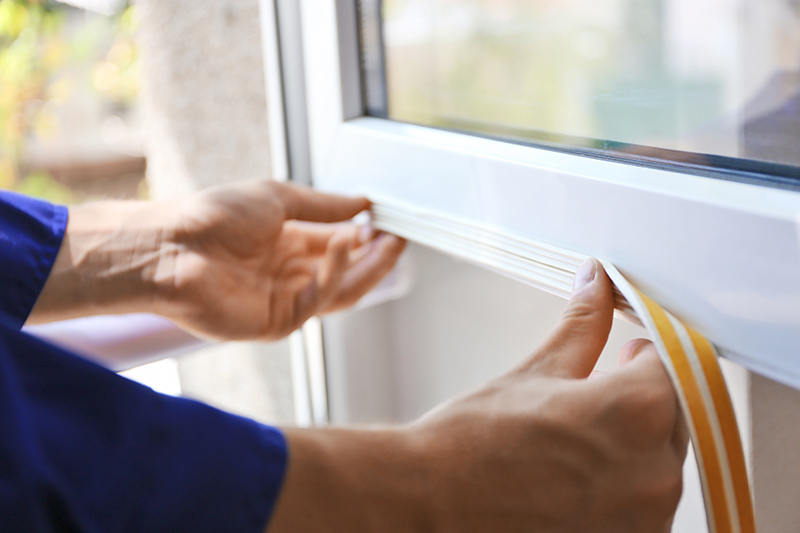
<point>457,327</point>
<point>776,455</point>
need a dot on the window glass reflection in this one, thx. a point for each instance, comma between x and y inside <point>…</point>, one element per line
<point>719,77</point>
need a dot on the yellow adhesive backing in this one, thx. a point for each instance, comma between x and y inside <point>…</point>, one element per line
<point>691,362</point>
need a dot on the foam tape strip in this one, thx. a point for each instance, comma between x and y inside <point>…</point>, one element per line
<point>689,358</point>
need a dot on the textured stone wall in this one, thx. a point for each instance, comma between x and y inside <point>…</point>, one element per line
<point>206,123</point>
<point>204,93</point>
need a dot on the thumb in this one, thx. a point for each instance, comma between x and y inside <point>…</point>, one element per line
<point>572,348</point>
<point>303,203</point>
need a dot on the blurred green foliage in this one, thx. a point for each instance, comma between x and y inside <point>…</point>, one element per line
<point>43,64</point>
<point>569,72</point>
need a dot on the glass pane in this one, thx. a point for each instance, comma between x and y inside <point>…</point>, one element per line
<point>661,78</point>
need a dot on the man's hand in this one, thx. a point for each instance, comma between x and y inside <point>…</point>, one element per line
<point>257,260</point>
<point>543,448</point>
<point>247,261</point>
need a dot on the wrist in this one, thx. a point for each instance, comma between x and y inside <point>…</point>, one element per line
<point>114,259</point>
<point>356,480</point>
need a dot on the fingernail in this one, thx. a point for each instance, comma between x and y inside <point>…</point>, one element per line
<point>631,349</point>
<point>585,275</point>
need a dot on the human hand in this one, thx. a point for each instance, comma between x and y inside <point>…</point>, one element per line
<point>257,259</point>
<point>542,448</point>
<point>251,260</point>
<point>554,451</point>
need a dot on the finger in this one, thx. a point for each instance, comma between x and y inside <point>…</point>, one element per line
<point>325,284</point>
<point>381,256</point>
<point>647,380</point>
<point>644,366</point>
<point>333,267</point>
<point>572,348</point>
<point>631,349</point>
<point>302,203</point>
<point>316,236</point>
<point>680,438</point>
<point>365,239</point>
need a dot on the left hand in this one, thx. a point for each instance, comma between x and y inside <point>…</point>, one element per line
<point>253,260</point>
<point>257,259</point>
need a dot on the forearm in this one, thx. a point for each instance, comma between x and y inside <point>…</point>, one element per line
<point>114,259</point>
<point>252,260</point>
<point>356,481</point>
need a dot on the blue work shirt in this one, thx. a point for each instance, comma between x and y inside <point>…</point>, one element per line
<point>83,449</point>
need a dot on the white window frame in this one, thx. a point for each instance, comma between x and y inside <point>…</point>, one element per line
<point>721,255</point>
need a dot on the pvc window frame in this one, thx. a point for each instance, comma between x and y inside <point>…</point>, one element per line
<point>721,255</point>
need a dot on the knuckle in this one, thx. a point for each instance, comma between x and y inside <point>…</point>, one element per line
<point>579,310</point>
<point>647,414</point>
<point>657,398</point>
<point>586,320</point>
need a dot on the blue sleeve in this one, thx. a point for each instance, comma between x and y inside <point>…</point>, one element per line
<point>83,449</point>
<point>30,236</point>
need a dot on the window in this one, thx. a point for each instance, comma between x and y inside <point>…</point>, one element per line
<point>697,83</point>
<point>721,255</point>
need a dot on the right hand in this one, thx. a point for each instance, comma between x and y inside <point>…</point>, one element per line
<point>543,448</point>
<point>539,449</point>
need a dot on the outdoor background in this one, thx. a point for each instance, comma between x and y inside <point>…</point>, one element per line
<point>103,99</point>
